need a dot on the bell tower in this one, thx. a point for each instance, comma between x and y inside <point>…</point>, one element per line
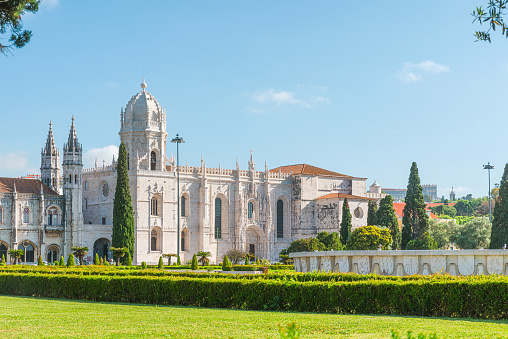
<point>50,162</point>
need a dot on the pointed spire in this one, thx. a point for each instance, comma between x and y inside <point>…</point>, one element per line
<point>251,162</point>
<point>96,163</point>
<point>72,143</point>
<point>113,160</point>
<point>50,148</point>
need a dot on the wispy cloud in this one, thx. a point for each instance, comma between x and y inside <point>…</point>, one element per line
<point>302,96</point>
<point>411,72</point>
<point>101,154</point>
<point>278,97</point>
<point>13,162</point>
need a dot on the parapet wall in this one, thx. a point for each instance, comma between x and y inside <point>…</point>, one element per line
<point>400,263</point>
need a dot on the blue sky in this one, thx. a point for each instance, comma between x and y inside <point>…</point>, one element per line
<point>361,88</point>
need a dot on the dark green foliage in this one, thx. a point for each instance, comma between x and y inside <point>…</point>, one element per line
<point>473,234</point>
<point>80,252</point>
<point>160,266</point>
<point>39,261</point>
<point>415,219</point>
<point>444,210</point>
<point>178,261</point>
<point>464,208</point>
<point>226,264</point>
<point>70,260</point>
<point>194,264</point>
<point>386,217</point>
<point>345,225</point>
<point>331,241</point>
<point>499,235</point>
<point>204,257</point>
<point>123,219</point>
<point>235,255</point>
<point>247,260</point>
<point>129,259</point>
<point>424,242</point>
<point>369,238</point>
<point>62,261</point>
<point>143,265</point>
<point>257,260</point>
<point>306,245</point>
<point>118,252</point>
<point>372,214</point>
<point>96,260</point>
<point>11,23</point>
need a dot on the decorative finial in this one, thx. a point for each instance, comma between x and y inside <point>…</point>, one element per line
<point>143,84</point>
<point>73,120</point>
<point>50,125</point>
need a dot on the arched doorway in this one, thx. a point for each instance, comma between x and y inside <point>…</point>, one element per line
<point>3,250</point>
<point>28,251</point>
<point>255,242</point>
<point>53,253</point>
<point>101,247</point>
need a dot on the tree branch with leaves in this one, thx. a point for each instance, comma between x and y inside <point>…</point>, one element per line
<point>493,17</point>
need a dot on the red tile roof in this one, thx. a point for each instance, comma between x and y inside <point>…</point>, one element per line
<point>342,196</point>
<point>399,210</point>
<point>307,169</point>
<point>32,186</point>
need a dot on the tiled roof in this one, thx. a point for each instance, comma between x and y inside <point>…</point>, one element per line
<point>342,196</point>
<point>307,169</point>
<point>399,210</point>
<point>32,186</point>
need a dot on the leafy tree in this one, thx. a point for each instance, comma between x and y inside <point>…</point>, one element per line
<point>71,260</point>
<point>235,255</point>
<point>441,232</point>
<point>39,261</point>
<point>204,257</point>
<point>169,255</point>
<point>160,266</point>
<point>10,22</point>
<point>369,238</point>
<point>386,217</point>
<point>80,252</point>
<point>415,219</point>
<point>118,252</point>
<point>464,208</point>
<point>194,264</point>
<point>62,261</point>
<point>226,264</point>
<point>473,234</point>
<point>285,259</point>
<point>345,226</point>
<point>331,241</point>
<point>423,242</point>
<point>372,213</point>
<point>306,245</point>
<point>500,215</point>
<point>444,210</point>
<point>123,219</point>
<point>493,16</point>
<point>16,254</point>
<point>96,260</point>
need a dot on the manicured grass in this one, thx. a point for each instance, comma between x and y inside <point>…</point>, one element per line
<point>38,317</point>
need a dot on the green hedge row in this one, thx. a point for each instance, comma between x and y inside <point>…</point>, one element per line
<point>477,298</point>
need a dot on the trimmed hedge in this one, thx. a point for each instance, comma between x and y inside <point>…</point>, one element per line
<point>476,297</point>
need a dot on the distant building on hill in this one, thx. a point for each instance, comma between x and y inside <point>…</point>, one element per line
<point>399,194</point>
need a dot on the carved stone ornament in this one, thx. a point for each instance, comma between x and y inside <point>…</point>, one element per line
<point>313,264</point>
<point>342,263</point>
<point>495,264</point>
<point>156,188</point>
<point>364,265</point>
<point>438,263</point>
<point>411,264</point>
<point>466,264</point>
<point>326,265</point>
<point>386,265</point>
<point>480,269</point>
<point>303,261</point>
<point>297,264</point>
<point>426,269</point>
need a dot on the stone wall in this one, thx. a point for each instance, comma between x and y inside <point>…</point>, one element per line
<point>400,263</point>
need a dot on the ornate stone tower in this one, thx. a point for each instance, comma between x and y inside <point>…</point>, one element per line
<point>50,162</point>
<point>72,189</point>
<point>143,130</point>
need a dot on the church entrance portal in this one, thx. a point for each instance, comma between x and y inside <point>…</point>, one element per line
<point>101,247</point>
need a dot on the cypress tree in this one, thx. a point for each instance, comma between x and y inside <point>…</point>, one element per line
<point>257,260</point>
<point>246,260</point>
<point>123,218</point>
<point>62,261</point>
<point>129,259</point>
<point>178,261</point>
<point>386,217</point>
<point>160,266</point>
<point>372,214</point>
<point>345,226</point>
<point>194,264</point>
<point>499,235</point>
<point>39,261</point>
<point>3,258</point>
<point>415,219</point>
<point>102,261</point>
<point>226,264</point>
<point>96,260</point>
<point>70,260</point>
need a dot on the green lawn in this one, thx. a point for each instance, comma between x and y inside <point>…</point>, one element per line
<point>38,317</point>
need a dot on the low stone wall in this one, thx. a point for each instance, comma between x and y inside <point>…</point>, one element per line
<point>454,262</point>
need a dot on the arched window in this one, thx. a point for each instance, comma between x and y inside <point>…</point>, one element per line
<point>28,253</point>
<point>250,210</point>
<point>182,206</point>
<point>53,216</point>
<point>26,215</point>
<point>280,219</point>
<point>86,203</point>
<point>1,216</point>
<point>218,218</point>
<point>75,178</point>
<point>154,207</point>
<point>182,245</point>
<point>86,185</point>
<point>128,161</point>
<point>3,251</point>
<point>52,255</point>
<point>70,178</point>
<point>153,161</point>
<point>155,240</point>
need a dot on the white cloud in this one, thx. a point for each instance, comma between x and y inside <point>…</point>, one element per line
<point>101,154</point>
<point>302,97</point>
<point>411,72</point>
<point>278,97</point>
<point>13,161</point>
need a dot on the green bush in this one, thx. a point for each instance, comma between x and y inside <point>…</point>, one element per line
<point>39,261</point>
<point>160,266</point>
<point>62,261</point>
<point>3,260</point>
<point>143,265</point>
<point>96,260</point>
<point>128,261</point>
<point>425,242</point>
<point>70,260</point>
<point>226,264</point>
<point>194,264</point>
<point>247,262</point>
<point>178,261</point>
<point>369,238</point>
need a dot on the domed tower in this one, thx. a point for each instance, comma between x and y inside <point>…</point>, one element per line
<point>143,131</point>
<point>50,162</point>
<point>375,188</point>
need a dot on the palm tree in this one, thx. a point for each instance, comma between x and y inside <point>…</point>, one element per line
<point>118,252</point>
<point>80,252</point>
<point>169,255</point>
<point>204,257</point>
<point>16,254</point>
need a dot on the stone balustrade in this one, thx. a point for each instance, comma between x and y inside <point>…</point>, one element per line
<point>400,263</point>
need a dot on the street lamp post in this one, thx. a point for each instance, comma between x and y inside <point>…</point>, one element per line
<point>178,140</point>
<point>489,167</point>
